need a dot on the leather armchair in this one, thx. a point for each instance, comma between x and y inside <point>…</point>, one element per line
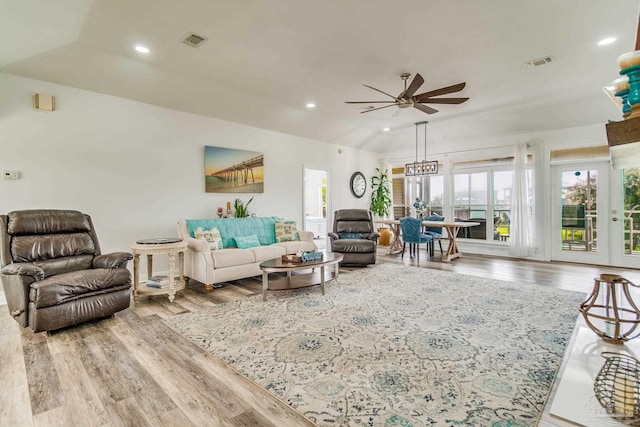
<point>53,272</point>
<point>354,237</point>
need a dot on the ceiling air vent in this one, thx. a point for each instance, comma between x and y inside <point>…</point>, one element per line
<point>540,61</point>
<point>193,40</point>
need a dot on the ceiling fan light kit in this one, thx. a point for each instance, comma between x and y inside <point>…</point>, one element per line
<point>422,167</point>
<point>407,99</point>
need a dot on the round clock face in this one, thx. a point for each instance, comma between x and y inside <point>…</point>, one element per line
<point>358,184</point>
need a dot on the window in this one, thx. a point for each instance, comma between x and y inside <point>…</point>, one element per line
<point>435,195</point>
<point>502,183</point>
<point>631,186</point>
<point>429,188</point>
<point>472,202</point>
<point>400,207</point>
<point>477,191</point>
<point>470,195</point>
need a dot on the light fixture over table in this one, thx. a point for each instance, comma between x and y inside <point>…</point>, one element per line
<point>423,167</point>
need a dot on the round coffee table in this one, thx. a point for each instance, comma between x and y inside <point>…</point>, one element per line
<point>298,280</point>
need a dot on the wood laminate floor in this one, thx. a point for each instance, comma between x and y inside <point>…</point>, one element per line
<point>132,370</point>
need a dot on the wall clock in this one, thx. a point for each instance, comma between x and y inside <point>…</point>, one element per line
<point>358,184</point>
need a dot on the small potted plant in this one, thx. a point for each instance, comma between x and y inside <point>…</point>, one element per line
<point>240,208</point>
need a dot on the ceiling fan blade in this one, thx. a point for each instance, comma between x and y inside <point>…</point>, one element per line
<point>378,90</point>
<point>379,108</point>
<point>443,100</point>
<point>425,109</point>
<point>413,87</point>
<point>442,91</point>
<point>369,102</point>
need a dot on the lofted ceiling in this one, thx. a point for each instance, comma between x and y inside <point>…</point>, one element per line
<point>264,60</point>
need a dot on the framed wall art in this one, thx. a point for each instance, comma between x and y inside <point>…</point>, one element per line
<point>227,170</point>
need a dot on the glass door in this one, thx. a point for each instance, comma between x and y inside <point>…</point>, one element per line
<point>580,213</point>
<point>625,218</point>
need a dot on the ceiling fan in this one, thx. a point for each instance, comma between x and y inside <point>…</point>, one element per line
<point>407,98</point>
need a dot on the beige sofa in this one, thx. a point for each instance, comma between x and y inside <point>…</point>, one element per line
<point>231,263</point>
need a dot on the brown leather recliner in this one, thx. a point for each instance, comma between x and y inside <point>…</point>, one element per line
<point>354,236</point>
<point>53,273</point>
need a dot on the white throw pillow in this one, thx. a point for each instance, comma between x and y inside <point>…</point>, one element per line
<point>210,235</point>
<point>286,231</point>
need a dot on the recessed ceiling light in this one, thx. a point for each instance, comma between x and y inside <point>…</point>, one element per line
<point>606,41</point>
<point>386,129</point>
<point>142,49</point>
<point>311,105</point>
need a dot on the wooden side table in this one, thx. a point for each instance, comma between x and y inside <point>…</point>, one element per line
<point>161,246</point>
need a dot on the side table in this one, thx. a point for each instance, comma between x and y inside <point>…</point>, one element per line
<point>160,246</point>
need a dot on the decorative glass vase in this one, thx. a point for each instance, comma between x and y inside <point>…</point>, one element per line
<point>610,311</point>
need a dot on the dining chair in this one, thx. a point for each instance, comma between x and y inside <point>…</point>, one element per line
<point>435,232</point>
<point>411,233</point>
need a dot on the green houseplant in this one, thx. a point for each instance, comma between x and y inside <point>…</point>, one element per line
<point>380,194</point>
<point>381,202</point>
<point>240,208</point>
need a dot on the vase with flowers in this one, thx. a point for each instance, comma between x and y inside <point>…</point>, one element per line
<point>420,206</point>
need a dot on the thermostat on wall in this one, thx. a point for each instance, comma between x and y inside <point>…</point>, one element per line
<point>11,174</point>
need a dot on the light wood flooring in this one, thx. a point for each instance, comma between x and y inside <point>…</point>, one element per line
<point>132,370</point>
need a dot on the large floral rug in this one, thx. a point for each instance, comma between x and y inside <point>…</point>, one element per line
<point>392,345</point>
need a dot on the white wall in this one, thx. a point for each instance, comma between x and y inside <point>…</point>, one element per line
<point>137,169</point>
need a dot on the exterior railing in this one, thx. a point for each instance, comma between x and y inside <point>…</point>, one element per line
<point>632,231</point>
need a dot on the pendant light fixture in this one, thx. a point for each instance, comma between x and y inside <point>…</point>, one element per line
<point>422,167</point>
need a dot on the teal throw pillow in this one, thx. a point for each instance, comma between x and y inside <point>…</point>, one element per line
<point>350,235</point>
<point>245,242</point>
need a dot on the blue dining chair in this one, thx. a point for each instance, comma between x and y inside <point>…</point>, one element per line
<point>411,233</point>
<point>436,232</point>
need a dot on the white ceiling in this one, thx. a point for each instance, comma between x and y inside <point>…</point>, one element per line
<point>265,60</point>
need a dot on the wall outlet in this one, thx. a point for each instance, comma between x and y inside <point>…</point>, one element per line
<point>11,174</point>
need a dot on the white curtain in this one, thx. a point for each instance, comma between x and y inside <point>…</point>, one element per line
<point>521,243</point>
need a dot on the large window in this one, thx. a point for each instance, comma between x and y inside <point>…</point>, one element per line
<point>429,189</point>
<point>492,209</point>
<point>470,195</point>
<point>476,191</point>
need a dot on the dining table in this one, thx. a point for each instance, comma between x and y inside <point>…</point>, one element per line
<point>452,228</point>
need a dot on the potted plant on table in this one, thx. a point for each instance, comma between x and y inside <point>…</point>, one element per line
<point>240,208</point>
<point>381,202</point>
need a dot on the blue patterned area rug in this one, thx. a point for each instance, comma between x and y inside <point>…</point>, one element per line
<point>392,345</point>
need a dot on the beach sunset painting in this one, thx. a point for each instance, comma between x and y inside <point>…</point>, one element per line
<point>227,170</point>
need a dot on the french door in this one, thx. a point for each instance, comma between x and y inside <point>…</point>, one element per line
<point>625,217</point>
<point>595,214</point>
